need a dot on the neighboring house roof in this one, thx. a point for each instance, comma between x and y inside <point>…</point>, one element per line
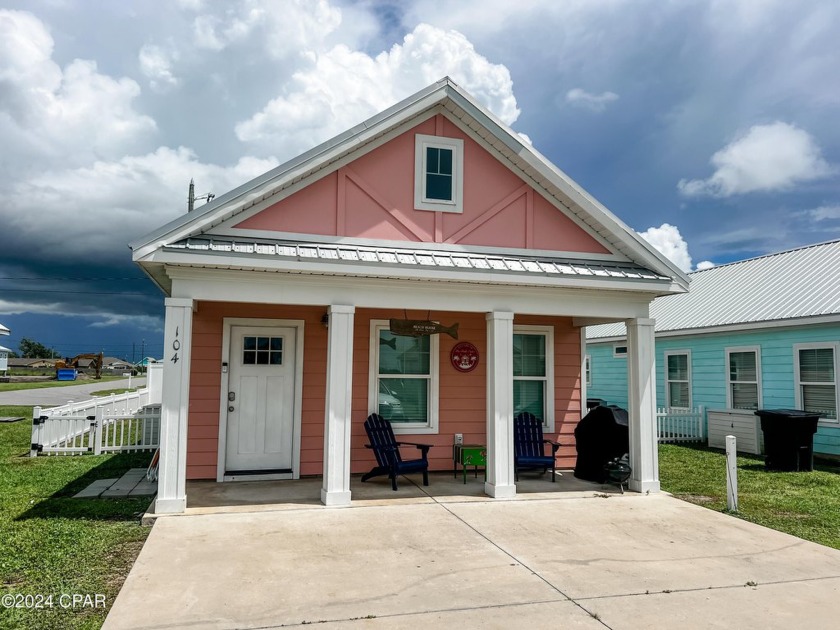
<point>113,360</point>
<point>19,362</point>
<point>4,330</point>
<point>795,286</point>
<point>4,349</point>
<point>447,98</point>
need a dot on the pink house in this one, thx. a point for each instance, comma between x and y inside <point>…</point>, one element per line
<point>279,295</point>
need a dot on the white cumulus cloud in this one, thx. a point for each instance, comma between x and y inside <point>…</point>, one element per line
<point>156,64</point>
<point>594,102</point>
<point>60,115</point>
<point>344,87</point>
<point>767,158</point>
<point>283,27</point>
<point>131,196</point>
<point>669,242</point>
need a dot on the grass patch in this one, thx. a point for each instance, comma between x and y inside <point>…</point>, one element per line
<point>52,544</point>
<point>805,504</point>
<point>108,392</point>
<point>11,387</point>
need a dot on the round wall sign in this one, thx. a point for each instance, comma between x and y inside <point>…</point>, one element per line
<point>464,356</point>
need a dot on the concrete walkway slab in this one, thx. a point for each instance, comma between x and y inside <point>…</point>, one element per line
<point>550,560</point>
<point>132,483</point>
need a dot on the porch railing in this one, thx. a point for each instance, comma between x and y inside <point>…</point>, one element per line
<point>99,433</point>
<point>681,425</point>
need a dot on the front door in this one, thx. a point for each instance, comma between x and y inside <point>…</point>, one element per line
<point>260,401</point>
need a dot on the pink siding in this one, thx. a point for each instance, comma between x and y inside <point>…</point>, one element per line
<point>373,197</point>
<point>462,395</point>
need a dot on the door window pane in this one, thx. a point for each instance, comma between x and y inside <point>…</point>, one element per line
<point>262,350</point>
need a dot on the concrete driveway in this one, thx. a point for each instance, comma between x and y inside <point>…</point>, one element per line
<point>54,396</point>
<point>449,559</point>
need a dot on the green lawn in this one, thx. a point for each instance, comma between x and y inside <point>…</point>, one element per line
<point>10,387</point>
<point>52,544</point>
<point>805,504</point>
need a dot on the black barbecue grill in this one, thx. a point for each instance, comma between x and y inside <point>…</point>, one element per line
<point>602,440</point>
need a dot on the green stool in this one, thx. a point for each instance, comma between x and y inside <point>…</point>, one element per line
<point>469,455</point>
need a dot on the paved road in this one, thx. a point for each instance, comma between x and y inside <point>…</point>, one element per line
<point>52,396</point>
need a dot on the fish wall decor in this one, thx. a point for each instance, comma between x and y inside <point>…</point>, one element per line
<point>421,328</point>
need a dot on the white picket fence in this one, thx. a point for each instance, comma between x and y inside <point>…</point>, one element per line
<point>99,433</point>
<point>681,425</point>
<point>122,422</point>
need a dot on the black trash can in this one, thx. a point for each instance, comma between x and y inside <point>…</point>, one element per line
<point>788,438</point>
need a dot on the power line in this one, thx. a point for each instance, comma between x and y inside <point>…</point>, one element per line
<point>5,290</point>
<point>62,278</point>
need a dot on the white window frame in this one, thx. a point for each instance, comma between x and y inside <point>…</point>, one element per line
<point>548,333</point>
<point>405,428</point>
<point>729,382</point>
<point>587,367</point>
<point>834,346</point>
<point>669,353</point>
<point>456,145</point>
<point>620,355</point>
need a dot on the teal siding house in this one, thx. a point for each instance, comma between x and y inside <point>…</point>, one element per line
<point>762,333</point>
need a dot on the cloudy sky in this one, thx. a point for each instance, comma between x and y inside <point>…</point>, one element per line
<point>710,126</point>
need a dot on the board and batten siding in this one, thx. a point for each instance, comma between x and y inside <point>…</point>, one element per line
<point>708,370</point>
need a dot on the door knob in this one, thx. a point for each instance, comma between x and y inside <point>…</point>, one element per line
<point>230,408</point>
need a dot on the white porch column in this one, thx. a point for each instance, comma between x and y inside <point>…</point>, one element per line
<point>641,379</point>
<point>177,345</point>
<point>500,478</point>
<point>336,482</point>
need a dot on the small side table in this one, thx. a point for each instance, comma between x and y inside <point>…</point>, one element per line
<point>469,455</point>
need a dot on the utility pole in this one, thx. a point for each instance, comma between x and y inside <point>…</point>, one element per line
<point>191,198</point>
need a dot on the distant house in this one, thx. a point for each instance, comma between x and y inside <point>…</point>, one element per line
<point>112,363</point>
<point>4,359</point>
<point>33,364</point>
<point>4,352</point>
<point>760,333</point>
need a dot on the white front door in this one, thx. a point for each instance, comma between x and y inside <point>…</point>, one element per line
<point>260,401</point>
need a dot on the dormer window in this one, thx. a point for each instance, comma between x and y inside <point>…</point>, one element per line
<point>438,174</point>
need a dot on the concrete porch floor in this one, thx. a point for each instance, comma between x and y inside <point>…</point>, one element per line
<point>209,497</point>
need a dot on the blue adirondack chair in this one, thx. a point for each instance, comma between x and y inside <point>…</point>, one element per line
<point>529,446</point>
<point>387,451</point>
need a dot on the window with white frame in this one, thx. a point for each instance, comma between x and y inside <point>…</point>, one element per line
<point>743,378</point>
<point>620,351</point>
<point>403,384</point>
<point>678,379</point>
<point>438,173</point>
<point>533,372</point>
<point>816,380</point>
<point>588,370</point>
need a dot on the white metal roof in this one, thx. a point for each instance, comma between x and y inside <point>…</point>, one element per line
<point>412,258</point>
<point>787,286</point>
<point>4,330</point>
